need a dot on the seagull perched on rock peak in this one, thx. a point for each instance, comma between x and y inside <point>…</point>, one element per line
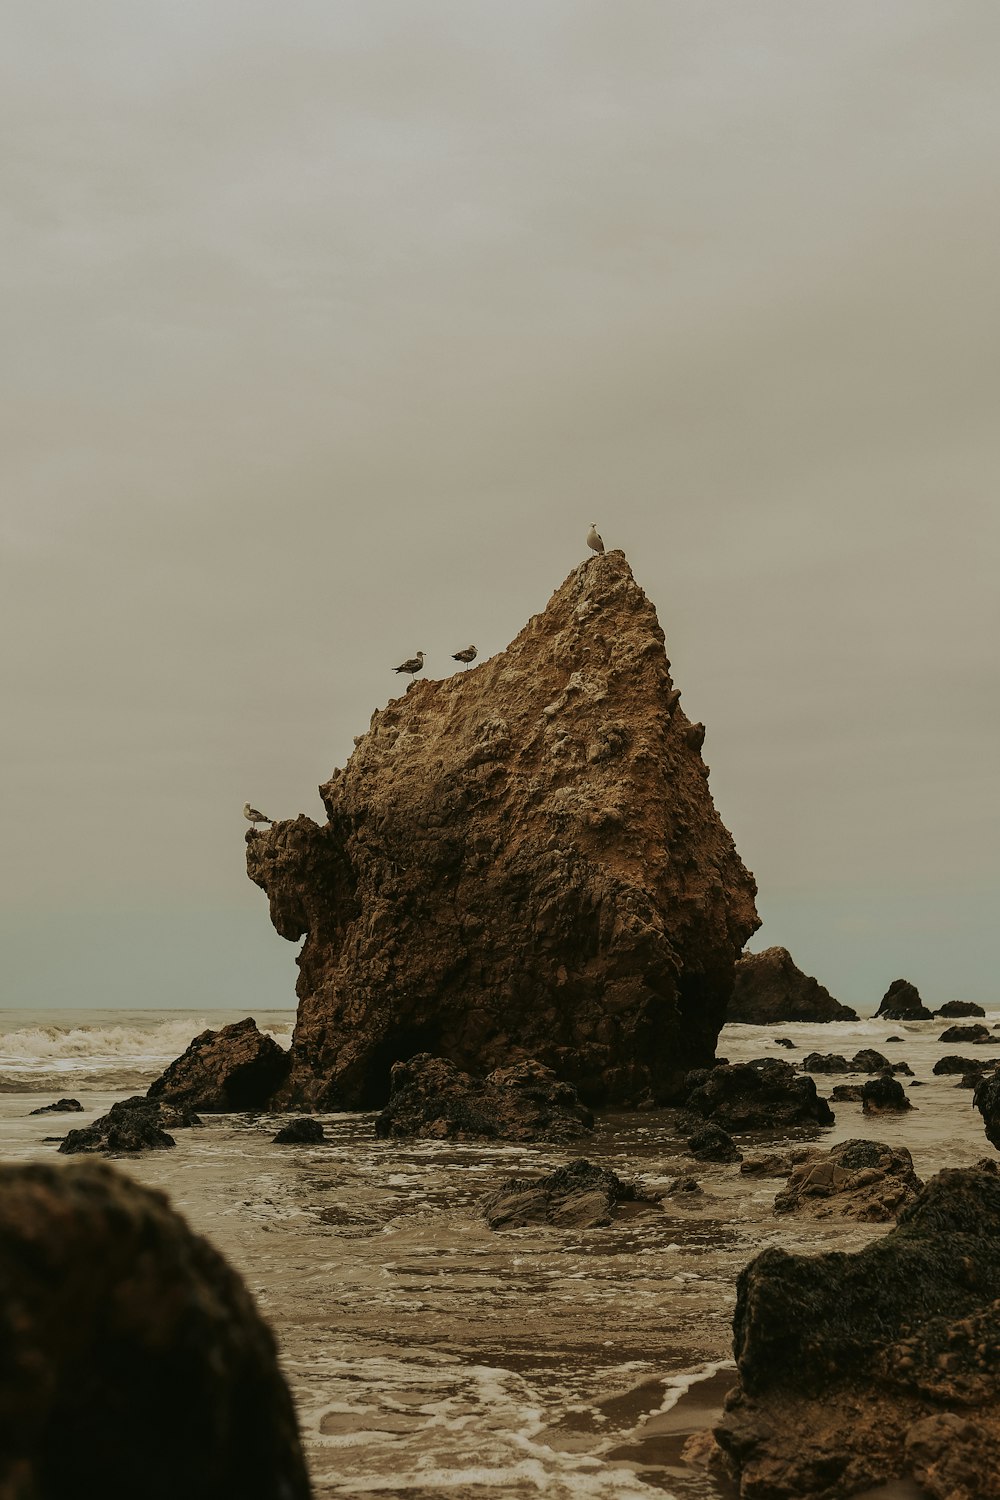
<point>253,816</point>
<point>469,654</point>
<point>594,538</point>
<point>414,665</point>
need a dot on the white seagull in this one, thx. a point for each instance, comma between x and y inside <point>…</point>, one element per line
<point>594,538</point>
<point>253,816</point>
<point>414,665</point>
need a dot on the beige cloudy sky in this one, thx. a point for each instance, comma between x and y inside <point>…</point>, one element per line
<point>329,327</point>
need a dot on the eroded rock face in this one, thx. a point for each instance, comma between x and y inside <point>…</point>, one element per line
<point>902,1002</point>
<point>842,1359</point>
<point>864,1180</point>
<point>123,1338</point>
<point>307,1132</point>
<point>745,1096</point>
<point>577,1196</point>
<point>770,988</point>
<point>131,1125</point>
<point>521,860</point>
<point>525,1102</point>
<point>237,1068</point>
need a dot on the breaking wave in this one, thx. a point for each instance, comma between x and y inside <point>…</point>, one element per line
<point>48,1048</point>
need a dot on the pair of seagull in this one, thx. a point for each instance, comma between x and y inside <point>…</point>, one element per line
<point>415,664</point>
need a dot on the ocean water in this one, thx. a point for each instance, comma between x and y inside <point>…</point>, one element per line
<point>431,1357</point>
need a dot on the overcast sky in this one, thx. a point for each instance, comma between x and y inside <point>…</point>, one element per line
<point>329,327</point>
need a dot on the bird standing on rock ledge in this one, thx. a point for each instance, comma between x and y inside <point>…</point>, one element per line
<point>594,538</point>
<point>413,665</point>
<point>253,816</point>
<point>469,654</point>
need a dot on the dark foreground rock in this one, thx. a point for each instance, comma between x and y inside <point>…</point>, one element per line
<point>847,1363</point>
<point>884,1095</point>
<point>525,1102</point>
<point>132,1358</point>
<point>975,1034</point>
<point>237,1068</point>
<point>902,1002</point>
<point>577,1196</point>
<point>742,1096</point>
<point>864,1180</point>
<point>305,1132</point>
<point>136,1124</point>
<point>519,860</point>
<point>769,988</point>
<point>987,1100</point>
<point>61,1107</point>
<point>711,1143</point>
<point>957,1008</point>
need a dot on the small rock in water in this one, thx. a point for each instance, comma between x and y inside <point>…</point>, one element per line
<point>784,1041</point>
<point>954,1063</point>
<point>955,1008</point>
<point>864,1180</point>
<point>883,1095</point>
<point>766,1096</point>
<point>825,1062</point>
<point>61,1107</point>
<point>846,1093</point>
<point>711,1143</point>
<point>974,1034</point>
<point>577,1196</point>
<point>130,1125</point>
<point>304,1132</point>
<point>902,1002</point>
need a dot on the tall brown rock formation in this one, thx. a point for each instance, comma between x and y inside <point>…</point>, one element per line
<point>522,860</point>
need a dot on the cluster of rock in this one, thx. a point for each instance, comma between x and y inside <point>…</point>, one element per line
<point>867,1060</point>
<point>525,1102</point>
<point>136,1124</point>
<point>132,1357</point>
<point>764,1095</point>
<point>521,861</point>
<point>769,988</point>
<point>855,1370</point>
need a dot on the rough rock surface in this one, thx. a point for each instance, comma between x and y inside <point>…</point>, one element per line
<point>883,1095</point>
<point>846,1093</point>
<point>526,1102</point>
<point>237,1068</point>
<point>987,1100</point>
<point>975,1034</point>
<point>577,1196</point>
<point>844,1359</point>
<point>307,1132</point>
<point>745,1096</point>
<point>132,1358</point>
<point>902,1002</point>
<point>521,860</point>
<point>711,1143</point>
<point>770,988</point>
<point>957,1008</point>
<point>825,1062</point>
<point>864,1180</point>
<point>135,1124</point>
<point>954,1063</point>
<point>61,1107</point>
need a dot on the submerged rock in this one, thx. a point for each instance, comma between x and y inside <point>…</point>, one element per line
<point>974,1034</point>
<point>884,1095</point>
<point>521,860</point>
<point>61,1107</point>
<point>432,1098</point>
<point>236,1068</point>
<point>133,1360</point>
<point>743,1096</point>
<point>770,988</point>
<point>864,1180</point>
<point>902,1002</point>
<point>842,1359</point>
<point>577,1196</point>
<point>305,1132</point>
<point>130,1125</point>
<point>711,1143</point>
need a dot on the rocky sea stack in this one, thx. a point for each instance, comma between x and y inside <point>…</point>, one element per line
<point>769,988</point>
<point>520,860</point>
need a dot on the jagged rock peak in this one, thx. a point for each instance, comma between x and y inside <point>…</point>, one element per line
<point>769,987</point>
<point>521,860</point>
